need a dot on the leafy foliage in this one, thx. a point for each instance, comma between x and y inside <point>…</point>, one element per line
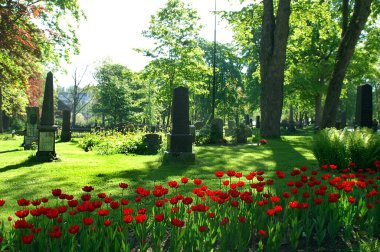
<point>361,147</point>
<point>108,143</point>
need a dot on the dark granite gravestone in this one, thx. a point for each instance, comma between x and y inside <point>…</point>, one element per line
<point>47,129</point>
<point>241,133</point>
<point>180,139</point>
<point>32,121</point>
<point>153,141</point>
<point>246,119</point>
<point>66,131</point>
<point>291,127</point>
<point>258,122</point>
<point>217,131</point>
<point>192,132</point>
<point>364,106</point>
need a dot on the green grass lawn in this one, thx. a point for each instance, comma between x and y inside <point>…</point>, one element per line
<point>20,177</point>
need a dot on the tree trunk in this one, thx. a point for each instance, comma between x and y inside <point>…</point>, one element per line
<point>1,110</point>
<point>362,9</point>
<point>318,110</point>
<point>272,60</point>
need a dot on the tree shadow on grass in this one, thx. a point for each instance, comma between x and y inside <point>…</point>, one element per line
<point>26,163</point>
<point>7,151</point>
<point>286,155</point>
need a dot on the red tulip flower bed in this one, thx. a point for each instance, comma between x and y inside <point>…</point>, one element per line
<point>299,209</point>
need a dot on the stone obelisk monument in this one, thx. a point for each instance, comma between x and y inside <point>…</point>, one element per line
<point>47,129</point>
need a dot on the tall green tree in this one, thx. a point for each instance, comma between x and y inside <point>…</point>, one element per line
<point>115,92</point>
<point>176,55</point>
<point>31,33</point>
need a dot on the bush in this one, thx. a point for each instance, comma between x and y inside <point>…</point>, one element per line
<point>364,147</point>
<point>332,146</point>
<point>108,143</point>
<point>203,136</point>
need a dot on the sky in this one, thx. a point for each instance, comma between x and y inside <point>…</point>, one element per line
<point>114,28</point>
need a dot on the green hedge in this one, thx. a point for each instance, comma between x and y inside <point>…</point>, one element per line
<point>341,147</point>
<point>108,143</point>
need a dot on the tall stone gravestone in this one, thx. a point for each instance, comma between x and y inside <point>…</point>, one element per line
<point>246,119</point>
<point>32,121</point>
<point>180,139</point>
<point>47,129</point>
<point>66,131</point>
<point>364,106</point>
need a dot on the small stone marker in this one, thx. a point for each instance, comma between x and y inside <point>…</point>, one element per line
<point>241,133</point>
<point>153,141</point>
<point>66,131</point>
<point>364,106</point>
<point>47,129</point>
<point>217,131</point>
<point>180,139</point>
<point>32,121</point>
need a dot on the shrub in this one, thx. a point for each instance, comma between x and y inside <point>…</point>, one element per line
<point>108,143</point>
<point>332,146</point>
<point>364,147</point>
<point>203,136</point>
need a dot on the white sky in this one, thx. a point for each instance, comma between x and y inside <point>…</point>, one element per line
<point>113,28</point>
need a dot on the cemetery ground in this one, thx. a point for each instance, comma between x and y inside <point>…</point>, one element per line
<point>20,177</point>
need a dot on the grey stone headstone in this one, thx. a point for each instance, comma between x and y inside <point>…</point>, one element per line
<point>66,131</point>
<point>180,139</point>
<point>47,129</point>
<point>217,131</point>
<point>364,106</point>
<point>32,121</point>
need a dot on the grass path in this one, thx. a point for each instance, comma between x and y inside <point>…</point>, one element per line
<point>20,177</point>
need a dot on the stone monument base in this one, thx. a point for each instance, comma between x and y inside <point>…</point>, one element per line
<point>46,156</point>
<point>179,156</point>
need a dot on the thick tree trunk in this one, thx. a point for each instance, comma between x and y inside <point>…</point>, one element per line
<point>272,60</point>
<point>362,9</point>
